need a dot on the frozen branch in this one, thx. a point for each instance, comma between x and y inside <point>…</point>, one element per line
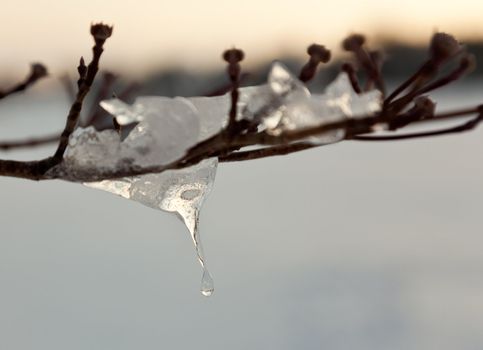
<point>228,144</point>
<point>36,170</point>
<point>166,157</point>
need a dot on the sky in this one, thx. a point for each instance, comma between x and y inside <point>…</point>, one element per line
<point>151,34</point>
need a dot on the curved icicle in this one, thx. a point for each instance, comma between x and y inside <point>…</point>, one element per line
<point>181,192</point>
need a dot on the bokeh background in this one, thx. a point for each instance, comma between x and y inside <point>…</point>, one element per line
<point>349,246</point>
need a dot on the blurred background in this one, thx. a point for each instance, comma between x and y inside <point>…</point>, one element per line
<point>349,246</point>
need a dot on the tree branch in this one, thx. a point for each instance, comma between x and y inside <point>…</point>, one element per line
<point>36,169</point>
<point>9,145</point>
<point>238,134</point>
<point>467,126</point>
<point>37,72</point>
<point>266,152</point>
<point>101,33</point>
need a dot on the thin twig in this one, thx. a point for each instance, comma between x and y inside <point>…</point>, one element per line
<point>466,64</point>
<point>36,170</point>
<point>233,57</point>
<point>318,54</point>
<point>16,144</point>
<point>467,126</point>
<point>355,44</point>
<point>266,152</point>
<point>101,33</point>
<point>37,72</point>
<point>351,73</point>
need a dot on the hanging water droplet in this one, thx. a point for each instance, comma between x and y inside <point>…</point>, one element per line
<point>207,284</point>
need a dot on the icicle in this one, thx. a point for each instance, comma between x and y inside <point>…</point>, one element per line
<point>207,285</point>
<point>176,191</point>
<point>183,192</point>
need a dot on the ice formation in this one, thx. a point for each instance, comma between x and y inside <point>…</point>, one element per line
<point>181,192</point>
<point>178,191</point>
<point>296,108</point>
<point>167,127</point>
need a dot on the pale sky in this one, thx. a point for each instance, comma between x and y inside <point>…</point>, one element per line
<point>154,33</point>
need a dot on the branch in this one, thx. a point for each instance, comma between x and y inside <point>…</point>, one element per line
<point>467,126</point>
<point>351,73</point>
<point>442,48</point>
<point>101,33</point>
<point>266,152</point>
<point>37,72</point>
<point>238,134</point>
<point>95,117</point>
<point>233,57</point>
<point>36,170</point>
<point>9,145</point>
<point>289,142</point>
<point>318,54</point>
<point>285,142</point>
<point>355,44</point>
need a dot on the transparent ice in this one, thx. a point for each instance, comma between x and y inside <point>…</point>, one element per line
<point>283,103</point>
<point>165,128</point>
<point>297,108</point>
<point>340,98</point>
<point>163,133</point>
<point>181,192</point>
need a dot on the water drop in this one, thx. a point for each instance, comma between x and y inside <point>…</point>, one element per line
<point>207,284</point>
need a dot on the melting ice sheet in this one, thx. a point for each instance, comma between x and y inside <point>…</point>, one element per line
<point>181,192</point>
